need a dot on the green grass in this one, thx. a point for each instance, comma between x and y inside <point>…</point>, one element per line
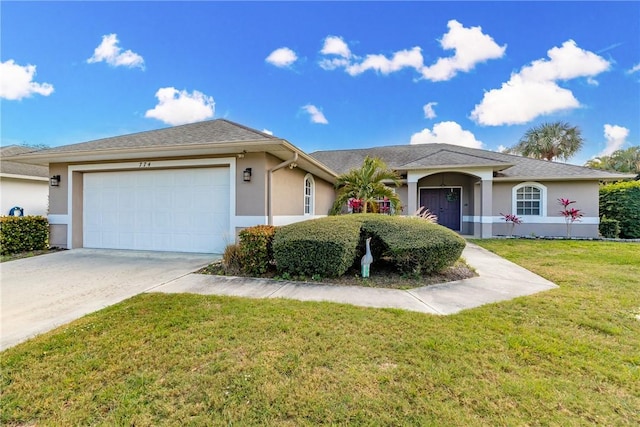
<point>570,356</point>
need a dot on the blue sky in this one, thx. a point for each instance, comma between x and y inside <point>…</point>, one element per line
<point>323,75</point>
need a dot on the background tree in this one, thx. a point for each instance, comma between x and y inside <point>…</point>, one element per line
<point>625,161</point>
<point>367,184</point>
<point>549,141</point>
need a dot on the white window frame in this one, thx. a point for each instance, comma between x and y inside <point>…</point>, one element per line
<point>308,204</point>
<point>543,199</point>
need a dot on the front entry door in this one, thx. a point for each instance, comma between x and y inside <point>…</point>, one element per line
<point>445,203</point>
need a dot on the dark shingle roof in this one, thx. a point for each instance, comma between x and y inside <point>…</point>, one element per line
<point>15,168</point>
<point>437,156</point>
<point>208,132</point>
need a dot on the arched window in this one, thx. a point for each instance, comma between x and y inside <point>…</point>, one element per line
<point>309,190</point>
<point>529,199</point>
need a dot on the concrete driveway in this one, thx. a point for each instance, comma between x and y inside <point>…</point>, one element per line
<point>40,293</point>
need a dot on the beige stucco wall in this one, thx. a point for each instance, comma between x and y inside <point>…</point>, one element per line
<point>325,196</point>
<point>251,197</point>
<point>585,193</point>
<point>58,195</point>
<point>58,235</point>
<point>288,191</point>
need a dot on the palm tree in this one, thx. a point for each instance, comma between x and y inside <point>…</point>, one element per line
<point>627,161</point>
<point>367,185</point>
<point>549,141</point>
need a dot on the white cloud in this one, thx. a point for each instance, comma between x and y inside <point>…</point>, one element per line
<point>380,63</point>
<point>471,46</point>
<point>429,112</point>
<point>334,45</point>
<point>534,90</point>
<point>267,131</point>
<point>315,114</point>
<point>592,81</point>
<point>616,136</point>
<point>179,107</point>
<point>446,133</point>
<point>634,69</point>
<point>16,81</point>
<point>282,57</point>
<point>501,148</point>
<point>108,51</point>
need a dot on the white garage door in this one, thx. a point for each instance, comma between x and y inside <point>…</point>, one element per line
<point>182,210</point>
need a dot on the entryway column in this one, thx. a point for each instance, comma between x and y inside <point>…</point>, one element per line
<point>486,218</point>
<point>412,196</point>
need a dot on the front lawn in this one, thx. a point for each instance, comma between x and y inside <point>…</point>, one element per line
<point>570,356</point>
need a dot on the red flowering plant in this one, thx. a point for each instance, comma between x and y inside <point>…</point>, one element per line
<point>355,205</point>
<point>511,219</point>
<point>570,215</point>
<point>385,207</point>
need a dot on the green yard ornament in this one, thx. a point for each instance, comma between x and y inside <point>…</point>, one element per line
<point>367,259</point>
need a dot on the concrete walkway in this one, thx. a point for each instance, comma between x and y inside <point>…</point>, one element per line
<point>498,280</point>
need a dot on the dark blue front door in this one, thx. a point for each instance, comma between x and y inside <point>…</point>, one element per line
<point>445,203</point>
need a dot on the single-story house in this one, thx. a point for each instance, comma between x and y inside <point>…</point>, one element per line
<point>191,188</point>
<point>24,188</point>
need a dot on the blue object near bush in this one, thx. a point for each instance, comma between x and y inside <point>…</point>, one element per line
<point>16,211</point>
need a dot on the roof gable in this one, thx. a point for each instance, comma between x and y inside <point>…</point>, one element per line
<point>208,132</point>
<point>437,156</point>
<point>447,157</point>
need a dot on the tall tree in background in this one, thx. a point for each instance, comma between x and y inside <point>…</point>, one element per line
<point>626,161</point>
<point>549,141</point>
<point>367,185</point>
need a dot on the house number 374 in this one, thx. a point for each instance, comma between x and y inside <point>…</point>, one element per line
<point>144,165</point>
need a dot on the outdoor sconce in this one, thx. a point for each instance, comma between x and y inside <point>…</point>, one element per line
<point>55,180</point>
<point>246,175</point>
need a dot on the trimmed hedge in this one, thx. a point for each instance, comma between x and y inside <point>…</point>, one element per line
<point>414,245</point>
<point>23,234</point>
<point>329,246</point>
<point>325,247</point>
<point>609,228</point>
<point>255,249</point>
<point>621,201</point>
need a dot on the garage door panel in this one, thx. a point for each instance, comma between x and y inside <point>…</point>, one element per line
<point>168,210</point>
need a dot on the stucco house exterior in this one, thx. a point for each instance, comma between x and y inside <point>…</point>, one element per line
<point>469,189</point>
<point>22,186</point>
<point>191,188</point>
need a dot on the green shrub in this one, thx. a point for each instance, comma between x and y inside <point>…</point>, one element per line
<point>609,228</point>
<point>415,246</point>
<point>324,247</point>
<point>329,246</point>
<point>621,201</point>
<point>23,234</point>
<point>255,249</point>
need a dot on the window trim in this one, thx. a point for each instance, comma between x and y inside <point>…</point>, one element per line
<point>543,199</point>
<point>310,197</point>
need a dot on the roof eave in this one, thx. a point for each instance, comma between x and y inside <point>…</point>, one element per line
<point>25,177</point>
<point>312,165</point>
<point>279,148</point>
<point>564,178</point>
<point>232,147</point>
<point>495,167</point>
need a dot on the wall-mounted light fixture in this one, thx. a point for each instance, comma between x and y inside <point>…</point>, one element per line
<point>246,175</point>
<point>55,180</point>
